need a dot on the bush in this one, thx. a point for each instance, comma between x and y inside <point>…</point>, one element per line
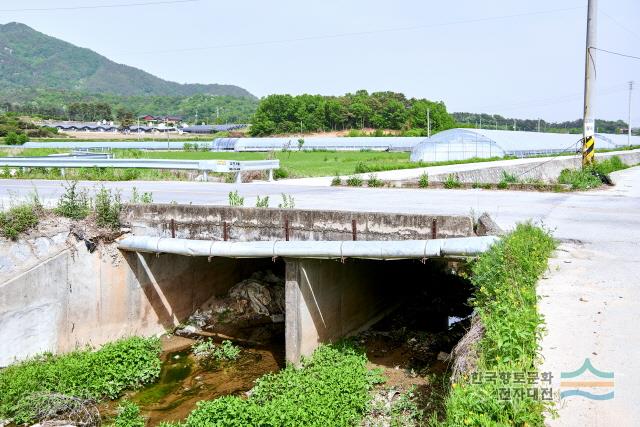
<point>73,203</point>
<point>354,181</point>
<point>144,198</point>
<point>336,181</point>
<point>235,199</point>
<point>288,202</point>
<point>13,138</point>
<point>262,202</point>
<point>579,179</point>
<point>280,173</point>
<point>18,219</point>
<point>331,388</point>
<point>505,300</point>
<point>452,181</point>
<point>374,181</point>
<point>423,182</point>
<point>129,415</point>
<point>108,207</point>
<point>107,372</point>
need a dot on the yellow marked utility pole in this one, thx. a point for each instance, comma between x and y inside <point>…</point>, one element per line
<point>588,130</point>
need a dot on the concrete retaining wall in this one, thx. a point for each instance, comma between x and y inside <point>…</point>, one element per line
<point>247,224</point>
<point>76,298</point>
<point>544,169</point>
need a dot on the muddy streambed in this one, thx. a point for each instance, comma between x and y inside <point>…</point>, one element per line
<point>185,380</point>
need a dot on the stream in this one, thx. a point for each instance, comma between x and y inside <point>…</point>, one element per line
<point>184,381</point>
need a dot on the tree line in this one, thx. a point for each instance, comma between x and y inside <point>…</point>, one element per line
<point>496,121</point>
<point>280,114</point>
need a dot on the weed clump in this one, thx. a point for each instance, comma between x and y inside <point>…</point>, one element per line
<point>18,219</point>
<point>73,203</point>
<point>85,374</point>
<point>423,181</point>
<point>262,202</point>
<point>288,202</point>
<point>354,181</point>
<point>336,181</point>
<point>452,181</point>
<point>108,207</point>
<point>207,349</point>
<point>374,181</point>
<point>129,415</point>
<point>235,199</point>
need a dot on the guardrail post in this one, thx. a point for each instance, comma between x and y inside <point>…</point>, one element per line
<point>205,176</point>
<point>270,175</point>
<point>62,172</point>
<point>239,177</point>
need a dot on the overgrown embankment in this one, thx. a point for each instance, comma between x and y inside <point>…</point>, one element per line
<point>505,301</point>
<point>26,388</point>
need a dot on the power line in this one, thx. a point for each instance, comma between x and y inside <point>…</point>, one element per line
<point>620,24</point>
<point>615,53</point>
<point>361,33</point>
<point>104,6</point>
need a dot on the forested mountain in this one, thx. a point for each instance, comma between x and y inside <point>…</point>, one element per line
<point>32,60</point>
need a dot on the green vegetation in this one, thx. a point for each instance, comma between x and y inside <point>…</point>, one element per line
<point>336,180</point>
<point>354,181</point>
<point>105,373</point>
<point>423,181</point>
<point>107,208</point>
<point>74,204</point>
<point>331,388</point>
<point>207,349</point>
<point>235,199</point>
<point>452,181</point>
<point>288,202</point>
<point>18,219</point>
<point>493,121</point>
<point>282,114</point>
<point>506,302</point>
<point>506,179</point>
<point>374,181</point>
<point>128,416</point>
<point>16,131</point>
<point>593,176</point>
<point>145,197</point>
<point>38,61</point>
<point>262,202</point>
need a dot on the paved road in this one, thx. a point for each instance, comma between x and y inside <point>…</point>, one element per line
<point>590,297</point>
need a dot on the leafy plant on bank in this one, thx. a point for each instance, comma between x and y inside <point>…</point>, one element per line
<point>452,181</point>
<point>73,203</point>
<point>288,202</point>
<point>235,199</point>
<point>207,349</point>
<point>128,416</point>
<point>354,181</point>
<point>592,176</point>
<point>145,197</point>
<point>18,219</point>
<point>105,373</point>
<point>374,181</point>
<point>108,207</point>
<point>262,202</point>
<point>423,181</point>
<point>505,300</point>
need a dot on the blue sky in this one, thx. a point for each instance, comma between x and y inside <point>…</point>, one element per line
<point>495,56</point>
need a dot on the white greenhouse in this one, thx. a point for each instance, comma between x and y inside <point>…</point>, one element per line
<point>462,144</point>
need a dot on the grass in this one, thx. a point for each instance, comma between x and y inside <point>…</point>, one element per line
<point>331,388</point>
<point>505,300</point>
<point>591,177</point>
<point>105,373</point>
<point>18,219</point>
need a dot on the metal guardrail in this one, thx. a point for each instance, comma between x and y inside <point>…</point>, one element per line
<point>205,166</point>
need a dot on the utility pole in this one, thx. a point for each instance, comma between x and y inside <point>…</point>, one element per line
<point>588,129</point>
<point>514,124</point>
<point>538,125</point>
<point>629,121</point>
<point>429,122</point>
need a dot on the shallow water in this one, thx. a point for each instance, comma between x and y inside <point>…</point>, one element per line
<point>184,381</point>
